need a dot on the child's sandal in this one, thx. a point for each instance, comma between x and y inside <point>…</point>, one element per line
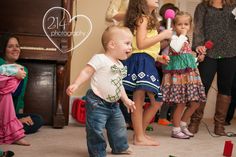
<point>179,135</point>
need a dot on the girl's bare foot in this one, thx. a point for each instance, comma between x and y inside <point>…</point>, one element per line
<point>143,141</point>
<point>149,137</point>
<point>22,142</point>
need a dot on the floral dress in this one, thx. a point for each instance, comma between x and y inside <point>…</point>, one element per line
<point>181,80</point>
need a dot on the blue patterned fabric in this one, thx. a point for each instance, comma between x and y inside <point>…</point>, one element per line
<point>8,69</point>
<point>142,74</point>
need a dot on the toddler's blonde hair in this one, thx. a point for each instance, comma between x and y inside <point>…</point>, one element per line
<point>112,32</point>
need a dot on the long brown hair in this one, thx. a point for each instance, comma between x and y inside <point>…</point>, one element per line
<point>136,10</point>
<point>225,2</point>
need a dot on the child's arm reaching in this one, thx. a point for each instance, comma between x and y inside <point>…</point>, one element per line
<point>127,102</point>
<point>143,41</point>
<point>84,75</point>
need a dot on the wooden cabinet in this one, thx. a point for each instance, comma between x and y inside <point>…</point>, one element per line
<point>49,69</point>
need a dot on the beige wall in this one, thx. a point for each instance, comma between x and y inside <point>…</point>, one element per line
<point>95,10</point>
<point>169,1</point>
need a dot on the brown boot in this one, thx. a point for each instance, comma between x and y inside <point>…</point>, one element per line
<point>196,119</point>
<point>222,104</point>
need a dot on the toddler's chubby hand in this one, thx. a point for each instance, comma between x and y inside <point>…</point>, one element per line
<point>130,105</point>
<point>71,89</point>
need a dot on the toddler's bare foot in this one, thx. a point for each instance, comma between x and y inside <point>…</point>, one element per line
<point>22,142</point>
<point>143,141</point>
<point>128,151</point>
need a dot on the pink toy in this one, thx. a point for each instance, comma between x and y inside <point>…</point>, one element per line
<point>169,15</point>
<point>209,44</point>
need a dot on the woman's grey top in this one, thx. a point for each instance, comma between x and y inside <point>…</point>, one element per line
<point>217,25</point>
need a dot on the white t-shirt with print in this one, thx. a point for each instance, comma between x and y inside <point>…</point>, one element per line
<point>107,79</point>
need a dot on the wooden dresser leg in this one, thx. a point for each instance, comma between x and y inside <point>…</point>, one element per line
<point>59,117</point>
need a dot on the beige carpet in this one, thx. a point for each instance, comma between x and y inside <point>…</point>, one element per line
<point>71,142</point>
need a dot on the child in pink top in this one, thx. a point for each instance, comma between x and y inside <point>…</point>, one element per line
<point>11,129</point>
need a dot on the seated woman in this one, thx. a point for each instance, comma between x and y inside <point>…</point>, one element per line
<point>11,129</point>
<point>9,54</point>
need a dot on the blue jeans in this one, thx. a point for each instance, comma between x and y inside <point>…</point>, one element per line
<point>100,115</point>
